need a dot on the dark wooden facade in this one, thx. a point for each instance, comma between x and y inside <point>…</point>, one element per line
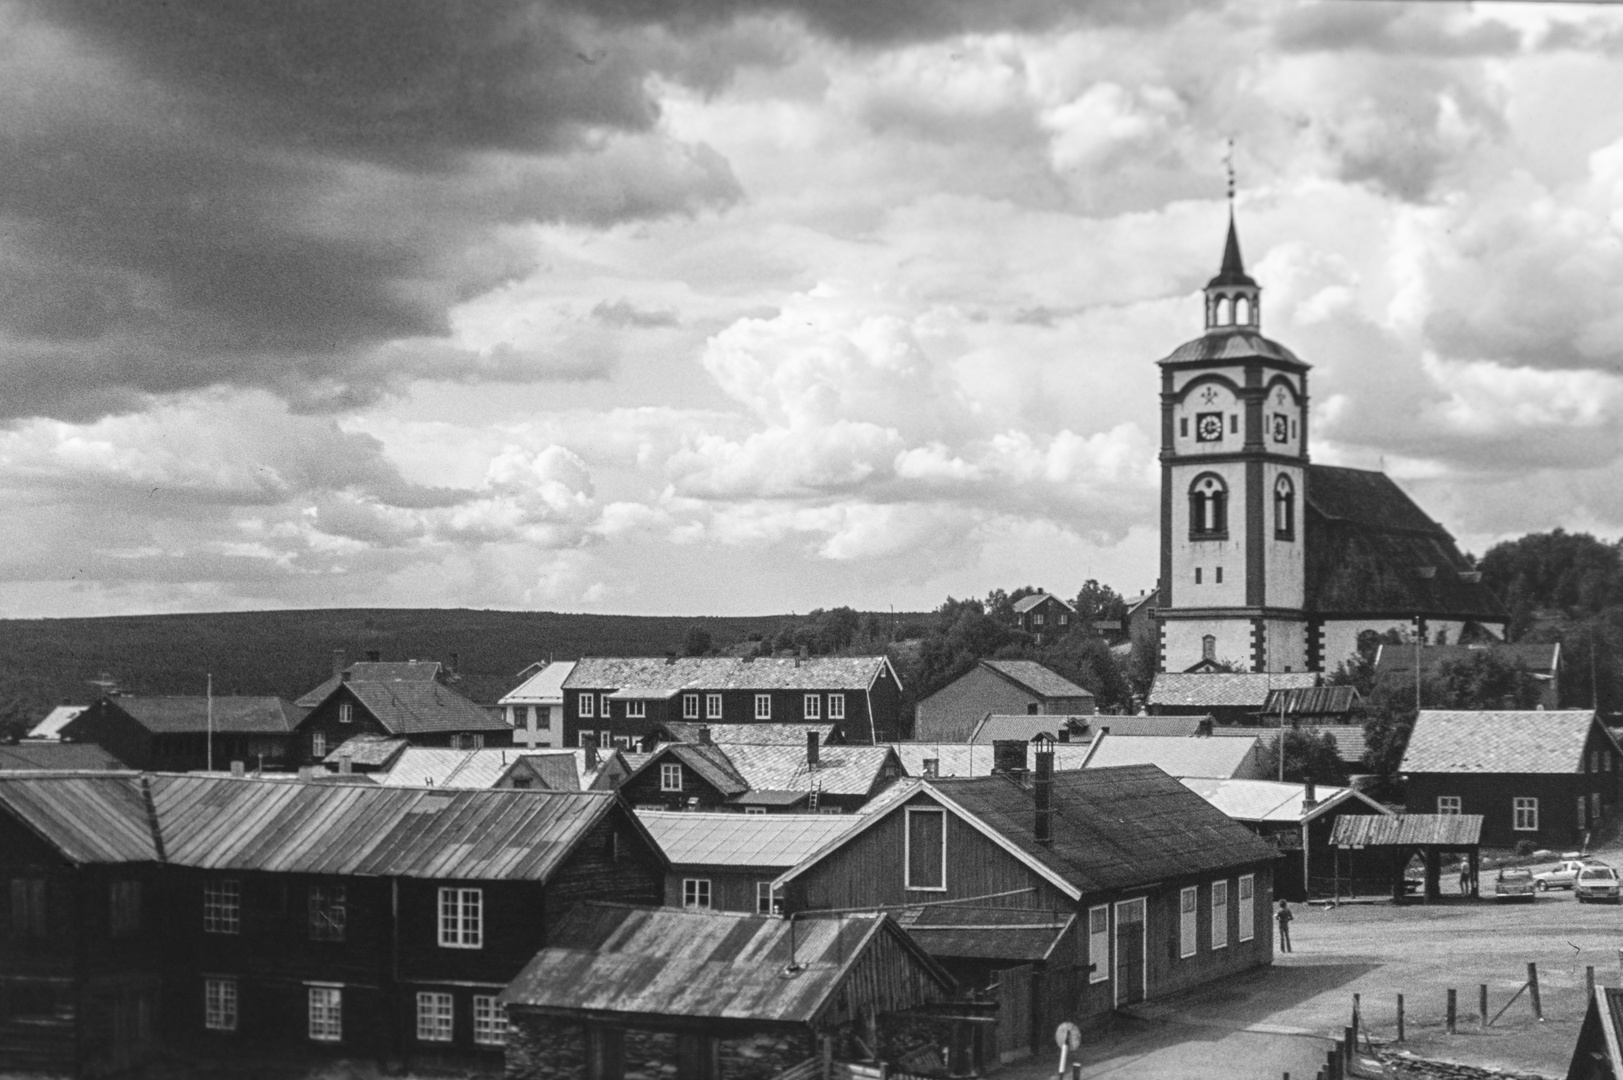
<point>1560,821</point>
<point>108,726</point>
<point>326,720</point>
<point>646,790</point>
<point>871,712</point>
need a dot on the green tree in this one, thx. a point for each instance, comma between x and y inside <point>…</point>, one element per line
<point>1099,603</point>
<point>696,642</point>
<point>1307,757</point>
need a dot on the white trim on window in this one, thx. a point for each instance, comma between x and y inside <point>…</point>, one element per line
<point>696,893</point>
<point>763,706</point>
<point>318,745</point>
<point>326,1013</point>
<point>670,776</point>
<point>220,1004</point>
<point>1247,909</point>
<point>907,850</point>
<point>222,906</point>
<point>489,1020</point>
<point>712,706</point>
<point>690,706</point>
<point>587,705</point>
<point>1448,804</point>
<point>811,707</point>
<point>461,923</point>
<point>1099,943</point>
<point>765,902</point>
<point>346,713</point>
<point>1188,916</point>
<point>836,706</point>
<point>603,706</point>
<point>434,1012</point>
<point>636,710</point>
<point>1220,915</point>
<point>1524,814</point>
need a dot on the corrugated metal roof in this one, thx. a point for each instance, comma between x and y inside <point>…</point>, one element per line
<point>1176,755</point>
<point>545,687</point>
<point>373,671</point>
<point>1224,689</point>
<point>765,840</point>
<point>752,734</point>
<point>1270,800</point>
<point>727,673</point>
<point>705,964</point>
<point>51,754</point>
<point>1311,701</point>
<point>840,770</point>
<point>1036,678</point>
<point>230,715</point>
<point>970,759</point>
<point>1371,830</point>
<point>88,817</point>
<point>1498,741</point>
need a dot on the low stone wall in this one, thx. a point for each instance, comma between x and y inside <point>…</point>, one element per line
<point>541,1048</point>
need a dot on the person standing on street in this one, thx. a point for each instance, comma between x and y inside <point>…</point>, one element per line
<point>1465,879</point>
<point>1284,916</point>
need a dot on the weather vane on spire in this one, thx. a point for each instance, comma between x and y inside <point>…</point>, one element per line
<point>1228,163</point>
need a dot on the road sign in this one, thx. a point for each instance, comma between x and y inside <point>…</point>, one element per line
<point>1068,1036</point>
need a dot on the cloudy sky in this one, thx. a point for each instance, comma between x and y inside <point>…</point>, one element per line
<point>736,306</point>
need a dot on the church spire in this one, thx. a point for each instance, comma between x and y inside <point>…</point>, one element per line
<point>1233,299</point>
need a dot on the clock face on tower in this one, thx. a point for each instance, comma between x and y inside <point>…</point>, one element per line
<point>1281,428</point>
<point>1209,427</point>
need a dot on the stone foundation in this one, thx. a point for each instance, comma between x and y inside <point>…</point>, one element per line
<point>548,1048</point>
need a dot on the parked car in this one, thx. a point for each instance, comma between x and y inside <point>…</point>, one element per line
<point>1598,883</point>
<point>1514,883</point>
<point>1564,875</point>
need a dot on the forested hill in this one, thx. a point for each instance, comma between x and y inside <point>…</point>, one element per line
<point>46,662</point>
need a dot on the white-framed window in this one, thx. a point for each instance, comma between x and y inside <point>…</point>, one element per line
<point>222,906</point>
<point>433,1016</point>
<point>462,924</point>
<point>587,738</point>
<point>326,1013</point>
<point>747,809</point>
<point>836,706</point>
<point>1036,618</point>
<point>329,912</point>
<point>1188,908</point>
<point>318,745</point>
<point>712,706</point>
<point>346,713</point>
<point>489,1021</point>
<point>636,710</point>
<point>763,706</point>
<point>670,777</point>
<point>690,706</point>
<point>925,860</point>
<point>220,1004</point>
<point>1099,944</point>
<point>603,706</point>
<point>765,902</point>
<point>1448,804</point>
<point>812,707</point>
<point>1220,915</point>
<point>830,810</point>
<point>1526,815</point>
<point>1246,909</point>
<point>695,892</point>
<point>588,705</point>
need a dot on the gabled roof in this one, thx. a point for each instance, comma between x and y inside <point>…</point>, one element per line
<point>374,671</point>
<point>995,727</point>
<point>1406,830</point>
<point>564,769</point>
<point>1269,801</point>
<point>1499,741</point>
<point>1224,689</point>
<point>728,673</point>
<point>972,759</point>
<point>87,817</point>
<point>1538,659</point>
<point>762,734</point>
<point>55,720</point>
<point>1598,1050</point>
<point>227,715</point>
<point>418,707</point>
<point>708,762</point>
<point>1026,603</point>
<point>840,770</point>
<point>1032,676</point>
<point>710,965</point>
<point>544,687</point>
<point>51,754</point>
<point>768,841</point>
<point>1176,755</point>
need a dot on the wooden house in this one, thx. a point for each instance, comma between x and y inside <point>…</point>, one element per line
<point>1083,890</point>
<point>619,701</point>
<point>762,777</point>
<point>1227,697</point>
<point>942,760</point>
<point>684,776</point>
<point>184,734</point>
<point>706,995</point>
<point>1543,776</point>
<point>1044,616</point>
<point>727,861</point>
<point>1001,687</point>
<point>534,709</point>
<point>1597,1054</point>
<point>400,700</point>
<point>1176,755</point>
<point>763,734</point>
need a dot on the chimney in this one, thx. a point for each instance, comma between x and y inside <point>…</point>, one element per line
<point>704,734</point>
<point>456,663</point>
<point>1009,756</point>
<point>591,751</point>
<point>338,664</point>
<point>1309,795</point>
<point>1042,789</point>
<point>1065,733</point>
<point>345,761</point>
<point>1204,727</point>
<point>343,676</point>
<point>932,767</point>
<point>373,656</point>
<point>238,769</point>
<point>811,749</point>
<point>307,773</point>
<point>670,659</point>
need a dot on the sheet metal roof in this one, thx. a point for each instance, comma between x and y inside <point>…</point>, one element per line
<point>1498,741</point>
<point>728,673</point>
<point>707,965</point>
<point>1141,725</point>
<point>1311,701</point>
<point>88,817</point>
<point>373,671</point>
<point>55,720</point>
<point>840,770</point>
<point>1270,801</point>
<point>762,734</point>
<point>1176,755</point>
<point>371,751</point>
<point>1372,830</point>
<point>1224,689</point>
<point>1037,678</point>
<point>231,714</point>
<point>775,841</point>
<point>545,687</point>
<point>979,933</point>
<point>970,759</point>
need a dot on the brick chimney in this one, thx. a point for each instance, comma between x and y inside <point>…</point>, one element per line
<point>704,734</point>
<point>1042,790</point>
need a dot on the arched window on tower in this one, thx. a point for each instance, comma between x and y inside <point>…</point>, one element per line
<point>1208,508</point>
<point>1284,509</point>
<point>1225,311</point>
<point>1242,311</point>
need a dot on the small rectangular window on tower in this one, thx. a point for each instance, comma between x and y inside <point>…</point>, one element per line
<point>1219,578</point>
<point>1234,423</point>
<point>1197,575</point>
<point>1183,427</point>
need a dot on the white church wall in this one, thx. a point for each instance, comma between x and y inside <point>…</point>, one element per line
<point>1183,642</point>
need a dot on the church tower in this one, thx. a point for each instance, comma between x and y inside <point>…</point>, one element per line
<point>1233,481</point>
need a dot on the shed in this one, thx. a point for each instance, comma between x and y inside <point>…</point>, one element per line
<point>1229,697</point>
<point>1018,687</point>
<point>1405,835</point>
<point>726,861</point>
<point>715,994</point>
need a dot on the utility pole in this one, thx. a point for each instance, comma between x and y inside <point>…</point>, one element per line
<point>210,735</point>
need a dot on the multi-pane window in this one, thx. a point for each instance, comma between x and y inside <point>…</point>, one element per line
<point>812,707</point>
<point>712,706</point>
<point>636,710</point>
<point>220,1004</point>
<point>836,706</point>
<point>1036,618</point>
<point>1187,906</point>
<point>1448,804</point>
<point>489,1021</point>
<point>318,745</point>
<point>1220,914</point>
<point>124,908</point>
<point>28,907</point>
<point>670,777</point>
<point>1284,509</point>
<point>346,713</point>
<point>433,1017</point>
<point>1526,815</point>
<point>695,892</point>
<point>763,706</point>
<point>926,855</point>
<point>326,1013</point>
<point>1208,506</point>
<point>588,705</point>
<point>765,902</point>
<point>603,706</point>
<point>462,918</point>
<point>222,907</point>
<point>1098,944</point>
<point>1246,909</point>
<point>690,706</point>
<point>328,912</point>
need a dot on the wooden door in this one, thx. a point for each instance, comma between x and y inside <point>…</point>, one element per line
<point>1014,1013</point>
<point>1129,952</point>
